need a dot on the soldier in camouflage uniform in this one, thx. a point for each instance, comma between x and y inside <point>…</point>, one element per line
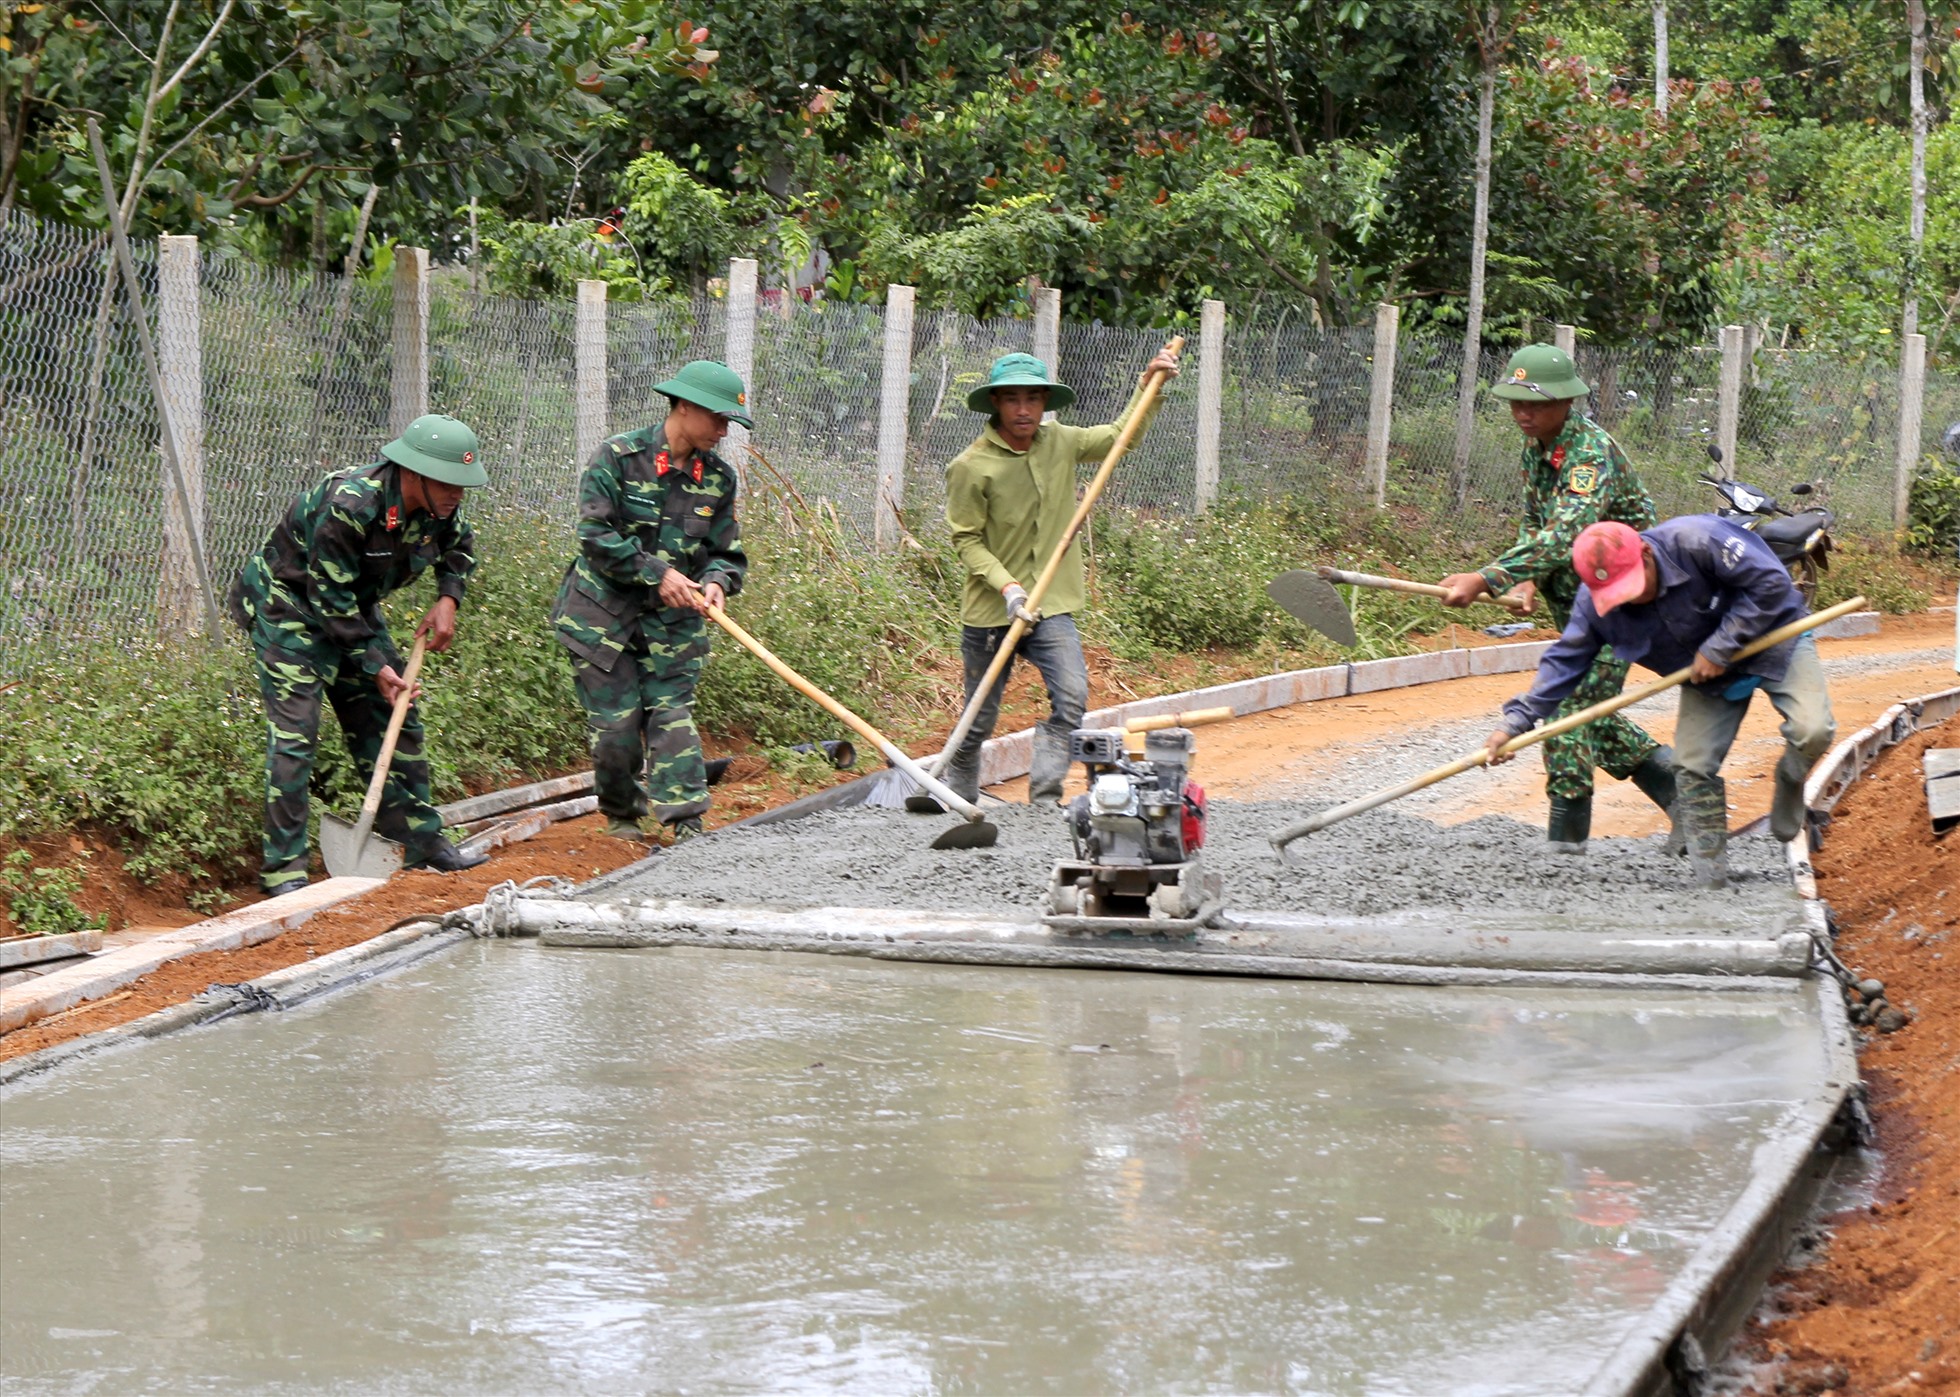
<point>1574,475</point>
<point>310,601</point>
<point>658,544</point>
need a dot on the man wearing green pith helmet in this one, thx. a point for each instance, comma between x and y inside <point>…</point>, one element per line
<point>1009,497</point>
<point>658,545</point>
<point>310,600</point>
<point>1575,475</point>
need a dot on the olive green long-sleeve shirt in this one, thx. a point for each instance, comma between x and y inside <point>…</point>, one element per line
<point>1008,509</point>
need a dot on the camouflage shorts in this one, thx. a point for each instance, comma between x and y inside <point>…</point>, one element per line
<point>1614,744</point>
<point>646,752</point>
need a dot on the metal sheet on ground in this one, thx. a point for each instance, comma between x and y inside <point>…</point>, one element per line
<point>518,1170</point>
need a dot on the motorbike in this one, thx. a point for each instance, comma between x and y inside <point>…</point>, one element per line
<point>1801,539</point>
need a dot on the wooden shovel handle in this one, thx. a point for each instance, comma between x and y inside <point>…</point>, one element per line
<point>372,804</point>
<point>939,790</point>
<point>1403,584</point>
<point>1197,717</point>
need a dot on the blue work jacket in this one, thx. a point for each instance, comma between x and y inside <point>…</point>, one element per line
<point>1721,588</point>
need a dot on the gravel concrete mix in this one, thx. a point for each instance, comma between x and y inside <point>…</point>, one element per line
<point>1381,863</point>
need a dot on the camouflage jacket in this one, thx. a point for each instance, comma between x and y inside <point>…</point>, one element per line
<point>347,542</point>
<point>1582,479</point>
<point>639,514</point>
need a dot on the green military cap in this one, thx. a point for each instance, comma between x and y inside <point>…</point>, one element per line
<point>1540,373</point>
<point>711,385</point>
<point>441,448</point>
<point>1019,371</point>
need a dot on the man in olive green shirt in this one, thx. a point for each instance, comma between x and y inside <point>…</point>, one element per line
<point>1008,499</point>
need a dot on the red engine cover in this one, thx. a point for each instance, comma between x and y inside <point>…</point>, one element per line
<point>1194,816</point>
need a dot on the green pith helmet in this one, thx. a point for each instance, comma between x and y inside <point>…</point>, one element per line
<point>1540,373</point>
<point>711,385</point>
<point>1019,371</point>
<point>441,448</point>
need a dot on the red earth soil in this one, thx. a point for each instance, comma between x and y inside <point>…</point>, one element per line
<point>1878,1311</point>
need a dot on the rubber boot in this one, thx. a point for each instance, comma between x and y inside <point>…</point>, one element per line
<point>1702,811</point>
<point>619,827</point>
<point>680,831</point>
<point>440,856</point>
<point>1655,778</point>
<point>1570,825</point>
<point>1787,809</point>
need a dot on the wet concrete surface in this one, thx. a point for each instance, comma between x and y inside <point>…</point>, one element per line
<point>1377,863</point>
<point>516,1169</point>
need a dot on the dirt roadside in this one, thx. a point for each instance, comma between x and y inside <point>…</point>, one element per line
<point>1878,1310</point>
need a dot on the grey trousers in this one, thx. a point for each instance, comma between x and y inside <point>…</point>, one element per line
<point>1705,730</point>
<point>1054,647</point>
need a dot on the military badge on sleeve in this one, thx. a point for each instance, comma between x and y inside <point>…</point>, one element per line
<point>1583,480</point>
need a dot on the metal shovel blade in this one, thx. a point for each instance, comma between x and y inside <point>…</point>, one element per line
<point>349,856</point>
<point>971,834</point>
<point>919,803</point>
<point>1312,601</point>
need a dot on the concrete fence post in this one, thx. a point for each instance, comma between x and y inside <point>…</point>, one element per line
<point>592,396</point>
<point>740,352</point>
<point>410,380</point>
<point>1048,327</point>
<point>1912,408</point>
<point>180,367</point>
<point>1211,400</point>
<point>1381,398</point>
<point>1728,408</point>
<point>894,403</point>
<point>1566,337</point>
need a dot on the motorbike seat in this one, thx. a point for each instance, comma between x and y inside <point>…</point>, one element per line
<point>1791,532</point>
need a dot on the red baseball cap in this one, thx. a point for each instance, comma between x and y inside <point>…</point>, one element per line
<point>1609,559</point>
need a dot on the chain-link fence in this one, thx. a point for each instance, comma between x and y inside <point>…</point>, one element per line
<point>277,375</point>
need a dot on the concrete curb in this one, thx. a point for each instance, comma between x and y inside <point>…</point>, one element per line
<point>63,989</point>
<point>1845,627</point>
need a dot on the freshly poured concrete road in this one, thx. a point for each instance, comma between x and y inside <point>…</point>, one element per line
<point>515,1169</point>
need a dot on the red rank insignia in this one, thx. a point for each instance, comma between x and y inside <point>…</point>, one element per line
<point>394,519</point>
<point>662,463</point>
<point>1558,456</point>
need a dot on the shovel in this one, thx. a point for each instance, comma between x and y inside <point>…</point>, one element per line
<point>1004,654</point>
<point>976,833</point>
<point>355,851</point>
<point>1310,598</point>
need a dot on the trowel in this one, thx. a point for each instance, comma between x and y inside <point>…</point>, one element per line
<point>356,851</point>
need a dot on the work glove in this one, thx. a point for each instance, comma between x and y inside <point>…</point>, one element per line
<point>1016,597</point>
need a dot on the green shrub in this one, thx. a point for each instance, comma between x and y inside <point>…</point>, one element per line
<point>1933,510</point>
<point>1873,570</point>
<point>41,901</point>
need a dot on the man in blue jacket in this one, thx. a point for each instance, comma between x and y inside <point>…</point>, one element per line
<point>1689,593</point>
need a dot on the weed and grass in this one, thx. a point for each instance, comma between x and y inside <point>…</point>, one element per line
<point>41,901</point>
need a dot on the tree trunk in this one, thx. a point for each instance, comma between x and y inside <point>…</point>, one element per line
<point>1660,56</point>
<point>1916,242</point>
<point>1473,320</point>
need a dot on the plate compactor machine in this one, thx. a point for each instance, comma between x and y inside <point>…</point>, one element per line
<point>1139,832</point>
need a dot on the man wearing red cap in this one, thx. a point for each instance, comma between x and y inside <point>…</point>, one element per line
<point>1574,474</point>
<point>1688,594</point>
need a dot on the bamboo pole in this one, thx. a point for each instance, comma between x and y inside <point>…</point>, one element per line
<point>1402,584</point>
<point>1311,824</point>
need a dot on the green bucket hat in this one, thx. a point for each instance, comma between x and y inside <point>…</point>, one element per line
<point>711,385</point>
<point>441,448</point>
<point>1019,371</point>
<point>1540,373</point>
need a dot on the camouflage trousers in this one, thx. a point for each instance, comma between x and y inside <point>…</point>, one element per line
<point>292,685</point>
<point>646,752</point>
<point>1615,744</point>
